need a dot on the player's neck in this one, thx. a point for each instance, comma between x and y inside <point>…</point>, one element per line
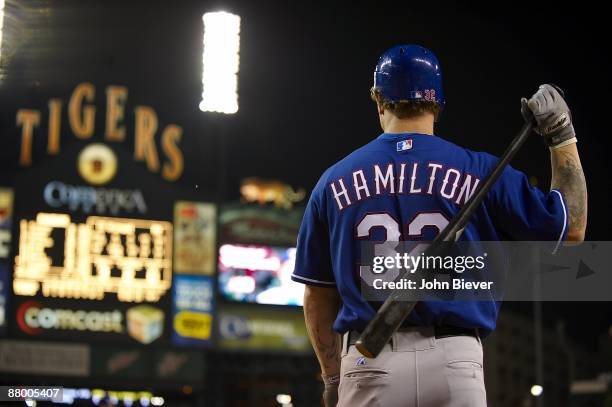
<point>422,124</point>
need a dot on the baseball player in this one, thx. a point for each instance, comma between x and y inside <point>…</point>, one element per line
<point>407,184</point>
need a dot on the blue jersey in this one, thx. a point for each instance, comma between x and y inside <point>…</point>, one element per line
<point>408,186</point>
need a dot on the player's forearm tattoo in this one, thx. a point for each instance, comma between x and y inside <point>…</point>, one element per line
<point>320,316</point>
<point>568,178</point>
<point>328,344</point>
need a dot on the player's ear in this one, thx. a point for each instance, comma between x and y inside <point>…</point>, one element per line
<point>375,98</point>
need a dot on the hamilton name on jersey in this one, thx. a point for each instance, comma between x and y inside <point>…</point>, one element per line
<point>404,178</point>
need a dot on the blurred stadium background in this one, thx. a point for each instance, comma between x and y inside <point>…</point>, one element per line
<point>147,227</point>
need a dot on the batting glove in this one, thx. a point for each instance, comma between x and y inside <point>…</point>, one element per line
<point>553,117</point>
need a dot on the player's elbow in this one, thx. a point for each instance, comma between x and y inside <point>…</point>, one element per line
<point>320,295</point>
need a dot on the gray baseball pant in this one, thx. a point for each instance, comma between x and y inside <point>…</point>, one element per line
<point>415,369</point>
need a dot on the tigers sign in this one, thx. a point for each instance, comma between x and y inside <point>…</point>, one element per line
<point>81,117</point>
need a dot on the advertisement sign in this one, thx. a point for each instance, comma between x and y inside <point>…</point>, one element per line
<point>262,225</point>
<point>263,329</point>
<point>6,216</point>
<point>4,293</point>
<point>88,321</point>
<point>44,358</point>
<point>193,306</point>
<point>120,362</point>
<point>145,323</point>
<point>194,237</point>
<point>263,191</point>
<point>178,365</point>
<point>139,363</point>
<point>87,199</point>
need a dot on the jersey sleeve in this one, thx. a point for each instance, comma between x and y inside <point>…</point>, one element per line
<point>313,260</point>
<point>524,212</point>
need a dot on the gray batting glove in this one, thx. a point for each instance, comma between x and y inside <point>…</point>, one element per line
<point>553,117</point>
<point>330,394</point>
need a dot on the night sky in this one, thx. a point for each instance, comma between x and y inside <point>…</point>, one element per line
<point>305,73</point>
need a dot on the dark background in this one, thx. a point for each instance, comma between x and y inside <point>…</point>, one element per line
<point>305,73</point>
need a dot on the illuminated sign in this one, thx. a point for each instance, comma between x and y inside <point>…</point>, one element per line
<point>195,237</point>
<point>236,327</point>
<point>145,323</point>
<point>251,258</point>
<point>6,215</point>
<point>131,258</point>
<point>262,329</point>
<point>81,122</point>
<point>193,304</point>
<point>263,191</point>
<point>5,241</point>
<point>266,225</point>
<point>259,274</point>
<point>60,195</point>
<point>33,319</point>
<point>194,325</point>
<point>97,164</point>
<point>4,293</point>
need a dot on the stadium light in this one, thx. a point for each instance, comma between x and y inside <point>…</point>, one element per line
<point>220,62</point>
<point>283,399</point>
<point>537,390</point>
<point>157,401</point>
<point>1,25</point>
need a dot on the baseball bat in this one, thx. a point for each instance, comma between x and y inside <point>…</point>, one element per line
<point>393,312</point>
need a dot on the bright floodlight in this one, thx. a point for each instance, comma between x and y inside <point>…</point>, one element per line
<point>1,25</point>
<point>221,59</point>
<point>157,401</point>
<point>537,390</point>
<point>283,399</point>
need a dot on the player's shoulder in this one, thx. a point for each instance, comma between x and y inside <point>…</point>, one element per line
<point>464,151</point>
<point>480,160</point>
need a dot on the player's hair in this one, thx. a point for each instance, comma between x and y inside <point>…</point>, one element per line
<point>405,109</point>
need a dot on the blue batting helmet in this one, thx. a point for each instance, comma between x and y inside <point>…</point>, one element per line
<point>409,72</point>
